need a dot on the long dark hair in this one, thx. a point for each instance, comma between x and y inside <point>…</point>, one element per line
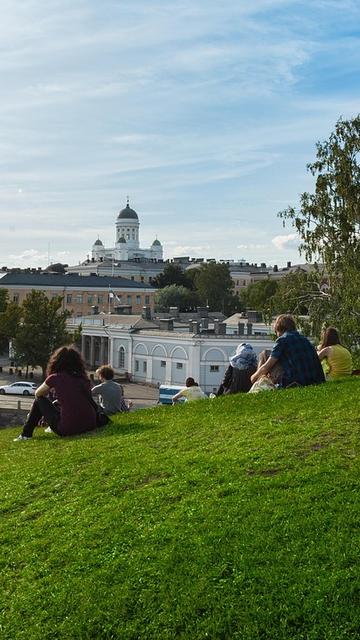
<point>66,359</point>
<point>329,338</point>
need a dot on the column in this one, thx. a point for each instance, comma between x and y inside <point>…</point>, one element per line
<point>92,352</point>
<point>102,350</point>
<point>83,339</point>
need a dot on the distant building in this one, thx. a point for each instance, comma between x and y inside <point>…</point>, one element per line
<point>157,355</point>
<point>82,295</point>
<point>126,259</point>
<point>127,241</point>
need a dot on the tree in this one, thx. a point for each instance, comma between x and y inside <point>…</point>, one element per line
<point>4,299</point>
<point>9,319</point>
<point>214,286</point>
<point>328,223</point>
<point>172,274</point>
<point>42,329</point>
<point>175,296</point>
<point>258,296</point>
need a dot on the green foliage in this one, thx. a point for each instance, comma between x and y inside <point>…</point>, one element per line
<point>173,274</point>
<point>9,319</point>
<point>228,519</point>
<point>4,299</point>
<point>175,296</point>
<point>214,286</point>
<point>258,296</point>
<point>42,329</point>
<point>328,222</point>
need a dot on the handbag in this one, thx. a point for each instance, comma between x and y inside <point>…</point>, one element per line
<point>101,418</point>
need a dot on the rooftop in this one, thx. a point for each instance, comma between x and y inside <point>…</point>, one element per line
<point>70,280</point>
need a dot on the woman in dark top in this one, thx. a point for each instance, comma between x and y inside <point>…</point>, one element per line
<point>73,412</point>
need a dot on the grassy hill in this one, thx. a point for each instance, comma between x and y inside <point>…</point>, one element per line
<point>233,518</point>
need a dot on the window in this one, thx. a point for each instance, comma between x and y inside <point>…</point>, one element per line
<point>179,365</point>
<point>68,298</point>
<point>100,299</point>
<point>142,278</point>
<point>16,298</point>
<point>79,298</point>
<point>90,299</point>
<point>129,300</point>
<point>144,366</point>
<point>162,363</point>
<point>121,358</point>
<point>132,277</point>
<point>147,299</point>
<point>214,368</point>
<point>138,299</point>
<point>136,365</point>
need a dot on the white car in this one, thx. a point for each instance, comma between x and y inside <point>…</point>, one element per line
<point>22,388</point>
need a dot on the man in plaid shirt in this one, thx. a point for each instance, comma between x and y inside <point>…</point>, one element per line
<point>295,353</point>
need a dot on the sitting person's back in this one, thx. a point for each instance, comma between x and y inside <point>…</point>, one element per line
<point>191,392</point>
<point>110,393</point>
<point>296,355</point>
<point>337,357</point>
<point>237,378</point>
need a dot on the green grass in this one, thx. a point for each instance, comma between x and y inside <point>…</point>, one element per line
<point>234,518</point>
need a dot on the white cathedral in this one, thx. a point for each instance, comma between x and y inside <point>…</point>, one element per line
<point>127,245</point>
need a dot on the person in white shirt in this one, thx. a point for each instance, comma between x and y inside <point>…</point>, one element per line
<point>191,392</point>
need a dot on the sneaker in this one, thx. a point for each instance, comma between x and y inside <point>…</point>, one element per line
<point>48,430</point>
<point>20,438</point>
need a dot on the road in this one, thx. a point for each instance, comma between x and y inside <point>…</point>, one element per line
<point>141,395</point>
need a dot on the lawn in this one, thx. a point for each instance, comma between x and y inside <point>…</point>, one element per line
<point>233,518</point>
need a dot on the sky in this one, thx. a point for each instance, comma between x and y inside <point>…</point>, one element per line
<point>204,113</point>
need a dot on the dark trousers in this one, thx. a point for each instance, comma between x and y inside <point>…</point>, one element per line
<point>41,408</point>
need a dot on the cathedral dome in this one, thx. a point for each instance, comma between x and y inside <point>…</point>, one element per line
<point>128,214</point>
<point>98,243</point>
<point>156,243</point>
<point>122,240</point>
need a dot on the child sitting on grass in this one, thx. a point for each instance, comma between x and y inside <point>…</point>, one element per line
<point>110,393</point>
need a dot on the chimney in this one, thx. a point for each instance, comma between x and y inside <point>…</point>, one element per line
<point>166,324</point>
<point>174,311</point>
<point>202,312</point>
<point>195,326</point>
<point>222,329</point>
<point>146,313</point>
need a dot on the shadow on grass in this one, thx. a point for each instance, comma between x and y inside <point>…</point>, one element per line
<point>109,431</point>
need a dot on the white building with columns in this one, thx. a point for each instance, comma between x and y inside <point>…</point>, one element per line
<point>152,356</point>
<point>127,241</point>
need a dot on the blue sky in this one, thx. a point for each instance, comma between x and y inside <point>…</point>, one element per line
<point>204,112</point>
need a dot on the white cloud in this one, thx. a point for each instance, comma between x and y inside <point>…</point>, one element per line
<point>290,241</point>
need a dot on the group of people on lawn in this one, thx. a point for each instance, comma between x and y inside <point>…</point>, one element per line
<point>293,361</point>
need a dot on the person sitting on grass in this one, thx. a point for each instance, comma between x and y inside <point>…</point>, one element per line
<point>190,392</point>
<point>73,412</point>
<point>237,378</point>
<point>295,353</point>
<point>270,380</point>
<point>336,358</point>
<point>110,393</point>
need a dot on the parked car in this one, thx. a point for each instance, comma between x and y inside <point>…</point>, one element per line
<point>22,388</point>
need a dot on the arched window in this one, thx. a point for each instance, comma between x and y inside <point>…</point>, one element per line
<point>121,358</point>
